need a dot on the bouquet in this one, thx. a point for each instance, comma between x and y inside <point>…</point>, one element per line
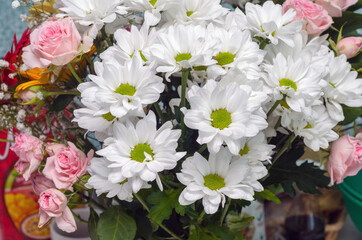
<point>167,117</point>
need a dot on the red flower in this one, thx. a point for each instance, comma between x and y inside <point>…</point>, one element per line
<point>14,56</point>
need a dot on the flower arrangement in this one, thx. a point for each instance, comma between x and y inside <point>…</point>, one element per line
<point>170,116</point>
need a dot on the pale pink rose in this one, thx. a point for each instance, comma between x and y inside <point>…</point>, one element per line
<point>53,204</point>
<point>349,46</point>
<point>40,183</point>
<point>30,151</point>
<point>66,166</point>
<point>27,95</point>
<point>345,158</point>
<point>56,41</point>
<point>54,148</point>
<point>316,18</point>
<point>335,7</point>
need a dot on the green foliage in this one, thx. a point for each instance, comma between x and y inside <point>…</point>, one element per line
<point>351,22</point>
<point>92,225</point>
<point>350,114</point>
<point>115,224</point>
<point>216,232</point>
<point>237,222</point>
<point>268,195</point>
<point>144,226</point>
<point>61,102</point>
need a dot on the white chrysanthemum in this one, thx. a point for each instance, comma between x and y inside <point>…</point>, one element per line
<point>256,148</point>
<point>180,47</point>
<point>151,9</point>
<point>99,171</point>
<point>341,86</point>
<point>236,50</point>
<point>223,115</point>
<point>119,89</point>
<point>94,13</point>
<point>197,12</point>
<point>268,21</point>
<point>129,43</point>
<point>294,81</point>
<point>142,150</point>
<point>316,129</point>
<point>213,179</point>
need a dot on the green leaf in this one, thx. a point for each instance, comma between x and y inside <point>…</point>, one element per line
<point>92,225</point>
<point>201,235</point>
<point>268,195</point>
<point>350,114</point>
<point>115,224</point>
<point>351,20</point>
<point>61,102</point>
<point>237,222</point>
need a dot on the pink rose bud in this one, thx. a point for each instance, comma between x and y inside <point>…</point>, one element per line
<point>41,183</point>
<point>335,7</point>
<point>56,41</point>
<point>54,148</point>
<point>316,18</point>
<point>53,204</point>
<point>349,46</point>
<point>30,151</point>
<point>29,96</point>
<point>345,158</point>
<point>66,166</point>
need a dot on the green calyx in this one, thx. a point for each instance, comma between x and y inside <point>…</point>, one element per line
<point>224,58</point>
<point>308,126</point>
<point>221,118</point>
<point>284,103</point>
<point>214,181</point>
<point>124,181</point>
<point>109,117</point>
<point>126,89</point>
<point>334,86</point>
<point>182,57</point>
<point>189,13</point>
<point>288,83</point>
<point>138,152</point>
<point>244,150</point>
<point>153,2</point>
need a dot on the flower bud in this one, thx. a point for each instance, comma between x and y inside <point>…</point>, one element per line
<point>349,46</point>
<point>29,95</point>
<point>41,183</point>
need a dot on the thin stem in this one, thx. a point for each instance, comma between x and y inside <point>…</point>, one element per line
<point>93,201</point>
<point>159,224</point>
<point>74,73</point>
<point>276,104</point>
<point>185,74</point>
<point>5,140</point>
<point>225,211</point>
<point>164,182</point>
<point>159,112</point>
<point>47,94</point>
<point>199,220</point>
<point>355,128</point>
<point>90,62</point>
<point>202,149</point>
<point>78,217</point>
<point>283,149</point>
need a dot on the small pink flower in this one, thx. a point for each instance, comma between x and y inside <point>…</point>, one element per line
<point>30,151</point>
<point>53,204</point>
<point>345,158</point>
<point>349,46</point>
<point>40,183</point>
<point>66,166</point>
<point>316,18</point>
<point>335,7</point>
<point>56,41</point>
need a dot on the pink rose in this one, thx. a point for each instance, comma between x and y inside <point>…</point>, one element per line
<point>335,7</point>
<point>349,46</point>
<point>54,148</point>
<point>31,153</point>
<point>56,41</point>
<point>40,183</point>
<point>345,158</point>
<point>66,166</point>
<point>316,18</point>
<point>53,204</point>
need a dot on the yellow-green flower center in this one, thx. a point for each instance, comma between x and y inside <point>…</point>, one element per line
<point>288,83</point>
<point>138,152</point>
<point>109,117</point>
<point>224,58</point>
<point>182,57</point>
<point>214,181</point>
<point>153,2</point>
<point>308,126</point>
<point>189,13</point>
<point>221,118</point>
<point>244,150</point>
<point>126,89</point>
<point>200,68</point>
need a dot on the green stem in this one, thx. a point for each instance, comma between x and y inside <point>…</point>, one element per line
<point>185,75</point>
<point>164,182</point>
<point>276,104</point>
<point>202,149</point>
<point>5,140</point>
<point>286,146</point>
<point>90,62</point>
<point>199,220</point>
<point>143,203</point>
<point>93,201</point>
<point>355,128</point>
<point>159,112</point>
<point>47,94</point>
<point>225,211</point>
<point>74,73</point>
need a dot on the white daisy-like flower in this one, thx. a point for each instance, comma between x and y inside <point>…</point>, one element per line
<point>214,179</point>
<point>99,171</point>
<point>197,12</point>
<point>223,115</point>
<point>119,89</point>
<point>151,9</point>
<point>180,47</point>
<point>341,86</point>
<point>236,50</point>
<point>94,13</point>
<point>268,21</point>
<point>142,150</point>
<point>293,81</point>
<point>256,148</point>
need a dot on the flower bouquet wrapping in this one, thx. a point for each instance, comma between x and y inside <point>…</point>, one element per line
<point>171,116</point>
